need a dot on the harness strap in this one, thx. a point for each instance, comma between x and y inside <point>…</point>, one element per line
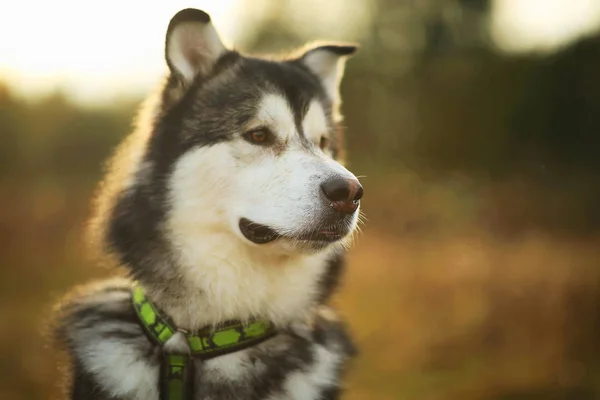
<point>176,377</point>
<point>177,369</point>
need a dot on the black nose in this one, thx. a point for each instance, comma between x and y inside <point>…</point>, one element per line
<point>343,193</point>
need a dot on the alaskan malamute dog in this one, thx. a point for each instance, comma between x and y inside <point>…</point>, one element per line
<point>231,214</point>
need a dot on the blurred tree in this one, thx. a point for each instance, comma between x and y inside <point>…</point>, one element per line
<point>429,91</point>
<point>11,119</point>
<point>558,113</point>
<point>54,138</point>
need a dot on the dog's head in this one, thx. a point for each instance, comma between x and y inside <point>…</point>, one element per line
<point>240,148</point>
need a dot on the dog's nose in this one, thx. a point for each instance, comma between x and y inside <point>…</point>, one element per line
<point>343,193</point>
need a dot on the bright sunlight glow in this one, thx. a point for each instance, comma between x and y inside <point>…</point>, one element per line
<point>95,50</point>
<point>542,25</point>
<point>91,49</point>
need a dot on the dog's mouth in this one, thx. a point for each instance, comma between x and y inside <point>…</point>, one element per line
<point>262,234</point>
<point>257,233</point>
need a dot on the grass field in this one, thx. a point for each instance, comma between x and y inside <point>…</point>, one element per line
<point>449,316</point>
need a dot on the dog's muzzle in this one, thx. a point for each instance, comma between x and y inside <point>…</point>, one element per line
<point>341,198</point>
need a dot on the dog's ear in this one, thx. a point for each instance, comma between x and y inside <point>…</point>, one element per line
<point>327,62</point>
<point>193,45</point>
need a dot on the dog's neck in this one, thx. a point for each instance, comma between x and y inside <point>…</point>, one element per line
<point>234,284</point>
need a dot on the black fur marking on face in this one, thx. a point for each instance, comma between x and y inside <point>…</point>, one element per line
<point>295,83</point>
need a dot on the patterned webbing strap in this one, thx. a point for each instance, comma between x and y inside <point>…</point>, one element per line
<point>207,342</point>
<point>176,377</point>
<point>176,369</point>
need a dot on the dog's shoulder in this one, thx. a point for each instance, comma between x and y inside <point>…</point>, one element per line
<point>94,310</point>
<point>331,331</point>
<point>99,328</point>
<point>307,361</point>
<point>332,348</point>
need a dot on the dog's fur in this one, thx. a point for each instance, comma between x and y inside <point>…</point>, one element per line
<point>169,211</point>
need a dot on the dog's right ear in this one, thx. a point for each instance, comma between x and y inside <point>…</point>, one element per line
<point>192,45</point>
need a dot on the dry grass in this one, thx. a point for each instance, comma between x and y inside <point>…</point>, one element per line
<point>447,317</point>
<point>469,317</point>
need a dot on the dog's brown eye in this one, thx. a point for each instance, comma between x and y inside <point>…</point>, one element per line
<point>323,142</point>
<point>258,136</point>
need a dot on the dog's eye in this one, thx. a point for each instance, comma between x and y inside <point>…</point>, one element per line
<point>258,136</point>
<point>323,142</point>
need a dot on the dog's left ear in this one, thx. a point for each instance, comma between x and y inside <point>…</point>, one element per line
<point>327,62</point>
<point>193,45</point>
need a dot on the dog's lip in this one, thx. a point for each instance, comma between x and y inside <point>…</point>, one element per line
<point>329,235</point>
<point>262,234</point>
<point>257,233</point>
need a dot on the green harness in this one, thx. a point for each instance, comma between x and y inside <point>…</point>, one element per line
<point>176,376</point>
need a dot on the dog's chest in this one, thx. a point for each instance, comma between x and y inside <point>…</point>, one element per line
<point>114,359</point>
<point>240,375</point>
<point>285,367</point>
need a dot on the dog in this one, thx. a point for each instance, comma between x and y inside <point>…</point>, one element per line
<point>230,210</point>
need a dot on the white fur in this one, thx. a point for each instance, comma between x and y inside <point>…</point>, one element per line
<point>177,344</point>
<point>213,187</point>
<point>117,367</point>
<point>231,367</point>
<point>315,122</point>
<point>274,112</point>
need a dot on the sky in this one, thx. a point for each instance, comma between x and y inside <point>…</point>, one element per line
<point>94,50</point>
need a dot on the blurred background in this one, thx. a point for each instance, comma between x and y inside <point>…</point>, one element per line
<point>475,122</point>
